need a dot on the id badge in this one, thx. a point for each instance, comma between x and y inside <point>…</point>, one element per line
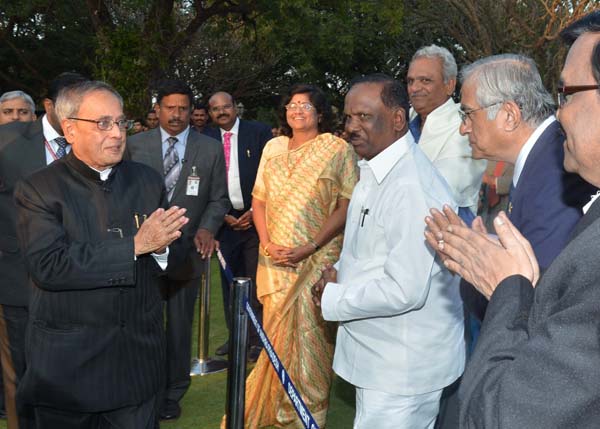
<point>193,183</point>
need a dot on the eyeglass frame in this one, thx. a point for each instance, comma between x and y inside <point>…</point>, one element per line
<point>564,91</point>
<point>112,122</point>
<point>302,106</point>
<point>466,114</point>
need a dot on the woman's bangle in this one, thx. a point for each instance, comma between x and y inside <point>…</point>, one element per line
<point>266,249</point>
<point>314,244</point>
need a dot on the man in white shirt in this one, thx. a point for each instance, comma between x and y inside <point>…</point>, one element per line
<point>400,338</point>
<point>243,142</point>
<point>434,123</point>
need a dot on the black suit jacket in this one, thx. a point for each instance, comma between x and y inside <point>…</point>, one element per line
<point>95,335</point>
<point>253,136</point>
<point>206,210</point>
<point>537,361</point>
<point>21,153</point>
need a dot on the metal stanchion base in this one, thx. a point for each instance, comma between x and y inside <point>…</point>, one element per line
<point>208,366</point>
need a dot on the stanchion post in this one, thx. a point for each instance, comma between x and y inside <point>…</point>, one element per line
<point>204,364</point>
<point>238,339</point>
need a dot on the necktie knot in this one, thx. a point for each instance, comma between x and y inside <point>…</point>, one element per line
<point>172,140</point>
<point>62,144</point>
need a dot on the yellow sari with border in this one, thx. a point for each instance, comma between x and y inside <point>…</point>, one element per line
<point>300,188</point>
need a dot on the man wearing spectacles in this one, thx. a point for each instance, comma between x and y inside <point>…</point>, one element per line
<point>95,345</point>
<point>243,142</point>
<point>24,148</point>
<point>434,125</point>
<point>536,364</point>
<point>508,116</point>
<point>193,168</point>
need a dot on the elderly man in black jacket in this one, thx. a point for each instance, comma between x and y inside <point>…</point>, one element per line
<point>94,237</point>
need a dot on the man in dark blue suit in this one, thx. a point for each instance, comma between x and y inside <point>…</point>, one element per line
<point>243,143</point>
<point>508,115</point>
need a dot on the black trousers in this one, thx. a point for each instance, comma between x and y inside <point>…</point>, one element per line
<point>13,323</point>
<point>143,416</point>
<point>180,299</point>
<point>240,250</point>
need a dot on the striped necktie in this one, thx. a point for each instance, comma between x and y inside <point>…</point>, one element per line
<point>62,144</point>
<point>172,167</point>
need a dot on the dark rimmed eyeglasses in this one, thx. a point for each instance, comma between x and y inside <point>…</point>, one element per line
<point>108,124</point>
<point>565,91</point>
<point>299,106</point>
<point>464,114</point>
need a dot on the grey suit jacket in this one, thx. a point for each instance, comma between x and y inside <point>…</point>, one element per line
<point>206,210</point>
<point>537,361</point>
<point>21,153</point>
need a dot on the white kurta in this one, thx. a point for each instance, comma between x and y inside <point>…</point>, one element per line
<point>451,153</point>
<point>401,315</point>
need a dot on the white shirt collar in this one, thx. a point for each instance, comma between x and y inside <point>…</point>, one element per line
<point>234,130</point>
<point>49,132</point>
<point>382,163</point>
<point>103,174</point>
<point>524,152</point>
<point>181,137</point>
<point>589,204</point>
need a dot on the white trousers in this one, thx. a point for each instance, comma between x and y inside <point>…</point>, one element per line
<point>375,409</point>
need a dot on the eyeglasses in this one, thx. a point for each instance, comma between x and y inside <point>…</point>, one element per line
<point>299,106</point>
<point>464,114</point>
<point>565,91</point>
<point>217,109</point>
<point>108,124</point>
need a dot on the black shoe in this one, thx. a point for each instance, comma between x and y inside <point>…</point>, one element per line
<point>170,411</point>
<point>253,353</point>
<point>223,349</point>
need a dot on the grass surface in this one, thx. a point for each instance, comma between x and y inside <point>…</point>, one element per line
<point>204,403</point>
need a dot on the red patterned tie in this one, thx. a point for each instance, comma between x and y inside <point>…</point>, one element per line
<point>227,150</point>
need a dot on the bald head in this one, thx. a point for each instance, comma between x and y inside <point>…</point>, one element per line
<point>222,110</point>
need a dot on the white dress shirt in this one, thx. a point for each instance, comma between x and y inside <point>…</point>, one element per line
<point>234,185</point>
<point>401,315</point>
<point>524,152</point>
<point>450,153</point>
<point>49,135</point>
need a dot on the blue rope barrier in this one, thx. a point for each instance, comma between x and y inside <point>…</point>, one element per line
<point>301,409</point>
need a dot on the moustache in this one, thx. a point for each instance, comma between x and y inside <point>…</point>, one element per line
<point>353,136</point>
<point>175,121</point>
<point>223,115</point>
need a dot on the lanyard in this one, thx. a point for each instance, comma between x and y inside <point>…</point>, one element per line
<point>49,147</point>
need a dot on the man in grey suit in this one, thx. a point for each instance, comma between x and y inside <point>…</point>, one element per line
<point>536,362</point>
<point>25,147</point>
<point>193,167</point>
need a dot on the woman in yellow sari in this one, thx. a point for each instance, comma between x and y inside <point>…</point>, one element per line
<point>300,198</point>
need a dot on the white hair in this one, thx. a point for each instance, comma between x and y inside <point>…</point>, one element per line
<point>11,95</point>
<point>449,68</point>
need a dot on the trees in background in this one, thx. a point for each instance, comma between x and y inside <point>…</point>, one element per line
<point>256,48</point>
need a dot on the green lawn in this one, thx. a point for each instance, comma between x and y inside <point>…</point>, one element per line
<point>204,404</point>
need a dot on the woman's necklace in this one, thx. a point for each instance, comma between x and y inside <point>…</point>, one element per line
<point>291,165</point>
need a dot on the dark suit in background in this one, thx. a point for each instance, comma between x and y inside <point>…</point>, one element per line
<point>22,152</point>
<point>536,364</point>
<point>240,248</point>
<point>544,207</point>
<point>95,338</point>
<point>206,210</point>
